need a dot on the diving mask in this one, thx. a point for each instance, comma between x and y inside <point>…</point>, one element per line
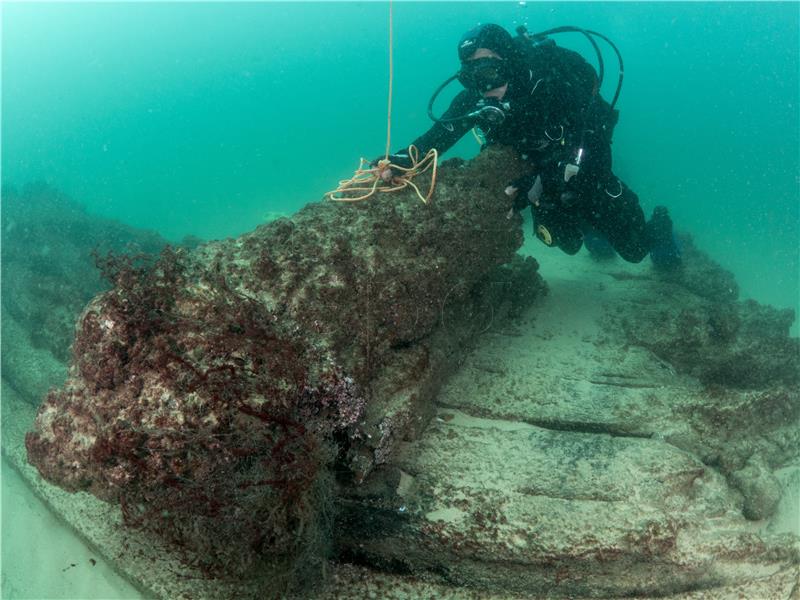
<point>483,74</point>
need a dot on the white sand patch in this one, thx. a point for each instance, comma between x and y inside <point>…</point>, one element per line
<point>449,515</point>
<point>42,558</point>
<point>787,518</point>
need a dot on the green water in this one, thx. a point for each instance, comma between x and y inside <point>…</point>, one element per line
<point>202,118</point>
<point>205,119</point>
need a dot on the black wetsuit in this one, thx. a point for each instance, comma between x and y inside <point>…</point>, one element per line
<point>553,112</point>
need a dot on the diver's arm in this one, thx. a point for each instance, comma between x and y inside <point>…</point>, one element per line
<point>444,135</point>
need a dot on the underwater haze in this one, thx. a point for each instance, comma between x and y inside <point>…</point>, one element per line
<point>205,119</point>
<point>385,393</point>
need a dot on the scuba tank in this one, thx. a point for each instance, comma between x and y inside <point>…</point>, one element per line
<point>540,40</point>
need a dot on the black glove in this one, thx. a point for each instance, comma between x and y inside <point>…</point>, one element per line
<point>559,179</point>
<point>549,188</point>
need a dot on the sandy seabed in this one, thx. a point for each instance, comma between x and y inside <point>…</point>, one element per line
<point>43,558</point>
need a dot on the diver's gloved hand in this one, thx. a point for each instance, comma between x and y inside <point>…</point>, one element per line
<point>523,192</point>
<point>399,160</point>
<point>562,182</point>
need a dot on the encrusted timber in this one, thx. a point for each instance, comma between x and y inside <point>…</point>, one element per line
<point>384,292</point>
<point>394,288</point>
<point>562,514</point>
<point>217,382</point>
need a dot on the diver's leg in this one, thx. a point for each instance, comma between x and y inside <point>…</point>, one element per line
<point>617,214</point>
<point>614,211</point>
<point>557,228</point>
<point>610,213</point>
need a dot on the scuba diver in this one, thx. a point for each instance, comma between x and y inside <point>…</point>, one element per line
<point>544,101</point>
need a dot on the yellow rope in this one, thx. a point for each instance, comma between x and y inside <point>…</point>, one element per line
<point>366,181</point>
<point>391,78</point>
